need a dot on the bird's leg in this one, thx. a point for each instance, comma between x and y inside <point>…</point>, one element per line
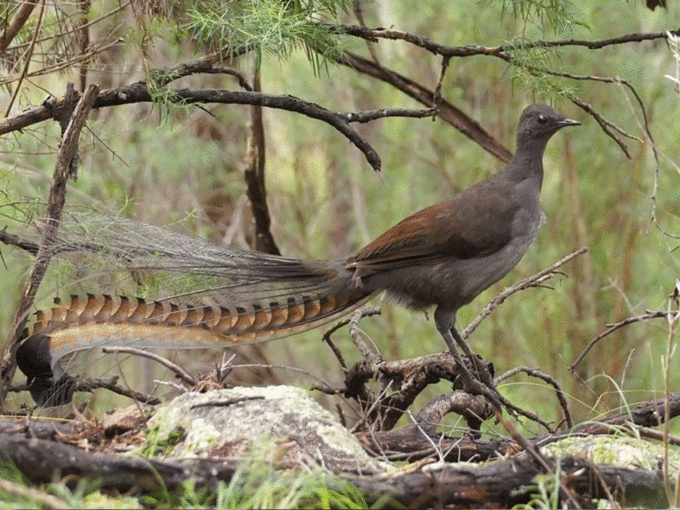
<point>481,383</point>
<point>445,322</point>
<point>471,382</point>
<point>480,368</point>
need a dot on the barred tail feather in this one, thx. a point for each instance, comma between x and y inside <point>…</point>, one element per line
<point>97,321</point>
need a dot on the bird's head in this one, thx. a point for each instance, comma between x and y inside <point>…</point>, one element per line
<point>537,124</point>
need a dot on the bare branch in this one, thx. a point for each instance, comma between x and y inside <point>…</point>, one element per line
<point>604,124</point>
<point>18,21</point>
<point>371,115</point>
<point>29,52</point>
<point>254,175</point>
<point>648,414</point>
<point>176,369</point>
<point>368,354</point>
<point>14,240</point>
<point>373,34</point>
<point>138,92</point>
<point>167,75</point>
<point>613,327</point>
<point>548,379</point>
<point>447,111</point>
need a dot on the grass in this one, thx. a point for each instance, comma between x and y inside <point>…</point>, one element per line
<point>255,485</point>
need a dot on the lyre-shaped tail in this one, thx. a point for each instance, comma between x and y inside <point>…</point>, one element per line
<point>114,321</point>
<point>218,297</point>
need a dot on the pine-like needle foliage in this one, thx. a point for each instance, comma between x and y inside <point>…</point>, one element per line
<point>272,26</point>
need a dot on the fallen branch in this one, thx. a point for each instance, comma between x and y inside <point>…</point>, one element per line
<point>503,483</point>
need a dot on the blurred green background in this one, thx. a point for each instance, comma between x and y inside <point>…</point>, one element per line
<point>161,164</point>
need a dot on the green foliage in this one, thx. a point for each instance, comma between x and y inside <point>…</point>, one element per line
<point>165,99</point>
<point>547,491</point>
<point>560,15</point>
<point>534,69</point>
<point>19,494</point>
<point>257,485</point>
<point>156,447</point>
<point>268,26</point>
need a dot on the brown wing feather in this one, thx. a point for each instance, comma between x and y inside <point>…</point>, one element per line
<point>475,223</point>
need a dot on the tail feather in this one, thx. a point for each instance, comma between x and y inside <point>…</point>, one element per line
<point>211,296</point>
<point>115,321</point>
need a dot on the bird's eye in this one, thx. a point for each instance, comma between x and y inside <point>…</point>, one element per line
<point>542,119</point>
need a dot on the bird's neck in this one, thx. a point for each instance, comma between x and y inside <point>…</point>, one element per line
<point>528,162</point>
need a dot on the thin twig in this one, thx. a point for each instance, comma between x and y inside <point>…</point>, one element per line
<point>532,281</point>
<point>29,54</point>
<point>227,402</point>
<point>503,50</point>
<point>613,327</point>
<point>657,164</point>
<point>73,29</point>
<point>604,123</point>
<point>368,354</point>
<point>440,81</point>
<point>87,384</point>
<point>334,348</point>
<point>242,81</point>
<point>548,379</point>
<point>368,312</point>
<point>18,20</point>
<point>176,369</point>
<point>60,65</point>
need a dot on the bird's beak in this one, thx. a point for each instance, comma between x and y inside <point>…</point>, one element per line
<point>568,122</point>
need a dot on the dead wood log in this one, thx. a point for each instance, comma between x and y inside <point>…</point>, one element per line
<point>510,482</point>
<point>41,460</point>
<point>496,485</point>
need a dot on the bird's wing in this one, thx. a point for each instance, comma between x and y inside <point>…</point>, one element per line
<point>475,223</point>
